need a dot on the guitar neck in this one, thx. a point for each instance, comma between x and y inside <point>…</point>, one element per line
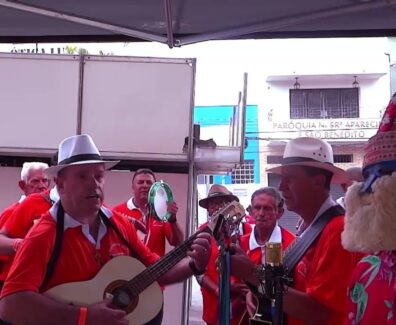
<point>151,274</point>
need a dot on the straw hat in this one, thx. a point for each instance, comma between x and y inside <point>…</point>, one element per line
<point>78,150</point>
<point>311,152</point>
<point>216,191</point>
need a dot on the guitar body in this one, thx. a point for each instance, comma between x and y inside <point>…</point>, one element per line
<point>143,309</point>
<point>133,286</point>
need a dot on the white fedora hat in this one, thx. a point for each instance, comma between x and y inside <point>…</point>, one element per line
<point>311,152</point>
<point>77,150</point>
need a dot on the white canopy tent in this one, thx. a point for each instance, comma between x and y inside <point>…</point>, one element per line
<point>181,22</point>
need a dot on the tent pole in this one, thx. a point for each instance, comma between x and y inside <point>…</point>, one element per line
<point>169,22</point>
<point>84,21</point>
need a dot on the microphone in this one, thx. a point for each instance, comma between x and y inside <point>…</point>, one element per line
<point>274,280</point>
<point>273,254</point>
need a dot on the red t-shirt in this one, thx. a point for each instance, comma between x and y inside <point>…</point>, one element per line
<point>7,212</point>
<point>157,230</point>
<point>22,219</point>
<point>3,218</point>
<point>324,271</point>
<point>255,254</point>
<point>79,260</point>
<point>24,215</point>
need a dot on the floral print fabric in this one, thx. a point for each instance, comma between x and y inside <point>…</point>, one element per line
<point>371,294</point>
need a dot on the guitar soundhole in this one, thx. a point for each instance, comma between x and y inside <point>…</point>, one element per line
<point>122,297</point>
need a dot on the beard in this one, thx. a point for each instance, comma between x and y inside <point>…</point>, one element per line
<point>370,223</point>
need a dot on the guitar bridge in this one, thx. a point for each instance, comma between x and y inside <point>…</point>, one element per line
<point>255,321</point>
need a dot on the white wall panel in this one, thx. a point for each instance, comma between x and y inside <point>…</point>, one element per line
<point>38,100</point>
<point>138,105</point>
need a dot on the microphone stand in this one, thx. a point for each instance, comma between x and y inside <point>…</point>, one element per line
<point>274,282</point>
<point>224,315</point>
<point>224,263</point>
<point>275,279</point>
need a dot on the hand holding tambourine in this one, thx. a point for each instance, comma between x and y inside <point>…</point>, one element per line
<point>172,210</point>
<point>160,202</point>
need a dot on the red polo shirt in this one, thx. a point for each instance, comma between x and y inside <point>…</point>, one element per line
<point>157,231</point>
<point>80,258</point>
<point>324,271</point>
<point>22,219</point>
<point>24,215</point>
<point>255,253</point>
<point>3,218</point>
<point>7,212</point>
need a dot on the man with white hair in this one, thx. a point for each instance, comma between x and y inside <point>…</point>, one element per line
<point>33,180</point>
<point>17,224</point>
<point>74,240</point>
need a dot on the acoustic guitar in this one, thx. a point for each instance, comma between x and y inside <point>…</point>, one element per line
<point>132,285</point>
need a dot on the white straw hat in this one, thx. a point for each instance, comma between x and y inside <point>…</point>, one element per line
<point>311,152</point>
<point>77,150</point>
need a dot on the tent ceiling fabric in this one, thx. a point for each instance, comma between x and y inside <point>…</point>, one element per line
<point>192,20</point>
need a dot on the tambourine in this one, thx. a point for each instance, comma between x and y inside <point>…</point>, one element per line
<point>159,196</point>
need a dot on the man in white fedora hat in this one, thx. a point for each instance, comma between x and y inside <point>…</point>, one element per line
<point>370,227</point>
<point>318,263</point>
<point>89,235</point>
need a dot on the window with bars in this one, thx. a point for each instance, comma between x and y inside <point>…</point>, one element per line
<point>346,158</point>
<point>324,103</point>
<point>243,174</point>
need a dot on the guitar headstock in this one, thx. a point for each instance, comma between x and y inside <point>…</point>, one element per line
<point>227,219</point>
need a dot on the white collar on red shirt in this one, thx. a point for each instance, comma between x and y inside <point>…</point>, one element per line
<point>54,195</point>
<point>327,204</point>
<point>22,198</point>
<point>276,237</point>
<point>70,222</point>
<point>341,201</point>
<point>131,205</point>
